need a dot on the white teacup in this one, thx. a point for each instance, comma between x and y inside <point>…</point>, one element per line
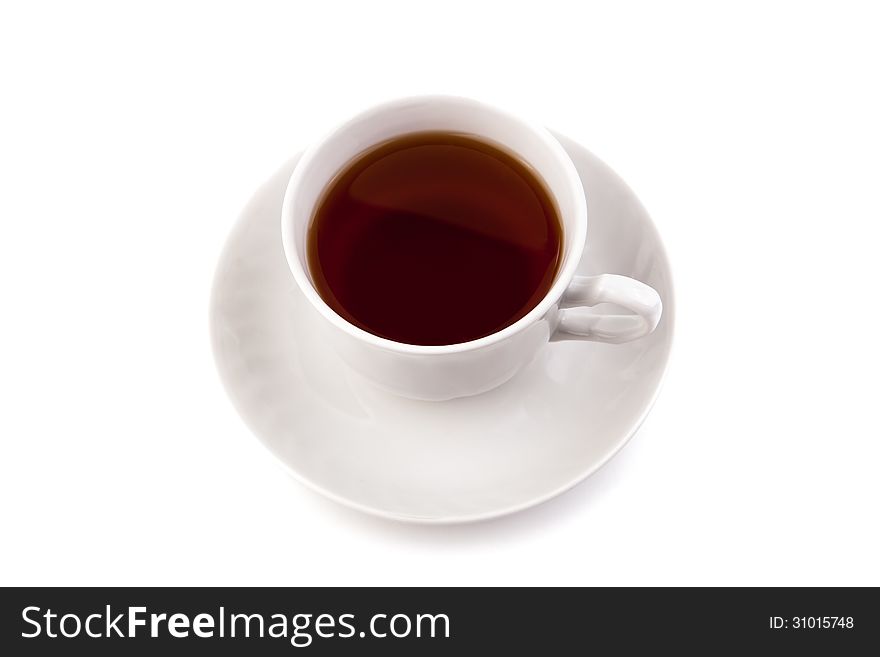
<point>467,368</point>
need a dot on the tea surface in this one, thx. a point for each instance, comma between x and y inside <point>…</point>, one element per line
<point>434,239</point>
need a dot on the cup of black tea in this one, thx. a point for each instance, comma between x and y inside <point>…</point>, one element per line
<point>438,238</point>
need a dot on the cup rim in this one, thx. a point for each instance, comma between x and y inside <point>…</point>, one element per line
<point>563,276</point>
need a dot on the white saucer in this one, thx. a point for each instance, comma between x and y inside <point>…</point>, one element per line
<point>468,459</point>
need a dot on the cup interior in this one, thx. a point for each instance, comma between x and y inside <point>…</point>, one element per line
<point>532,144</point>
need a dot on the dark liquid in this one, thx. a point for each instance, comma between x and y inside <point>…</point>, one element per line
<point>434,239</point>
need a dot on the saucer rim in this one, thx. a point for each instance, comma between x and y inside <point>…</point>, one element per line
<point>452,519</point>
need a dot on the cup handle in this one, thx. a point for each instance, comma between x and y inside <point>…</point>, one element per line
<point>578,322</point>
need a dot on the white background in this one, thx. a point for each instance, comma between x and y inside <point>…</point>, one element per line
<point>132,134</point>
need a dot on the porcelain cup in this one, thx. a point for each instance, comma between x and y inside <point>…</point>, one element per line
<point>444,372</point>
